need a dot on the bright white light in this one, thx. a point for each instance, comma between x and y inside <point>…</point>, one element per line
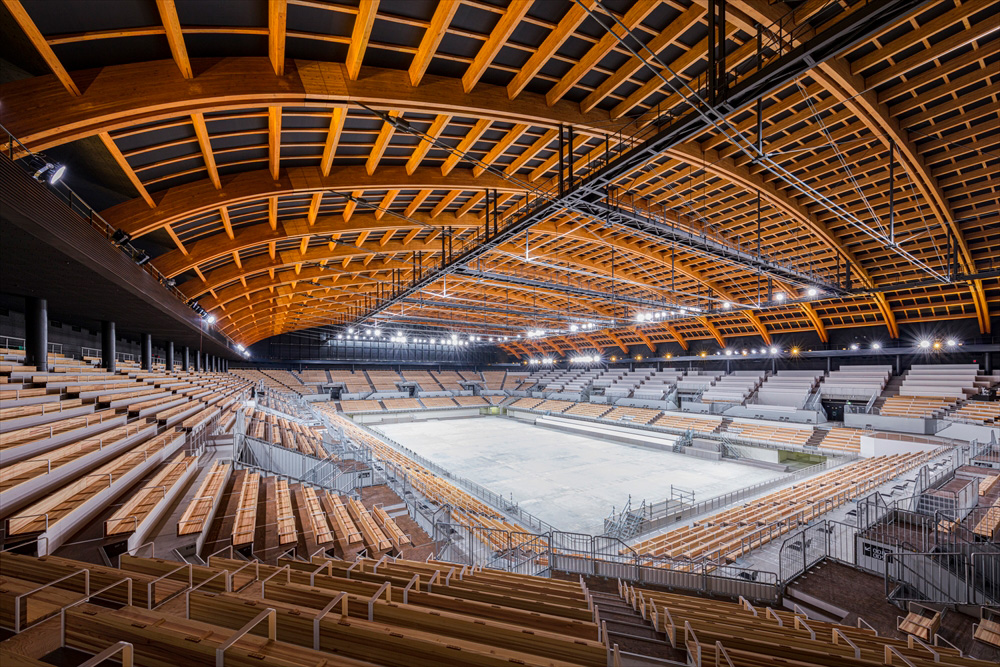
<point>744,353</point>
<point>854,346</point>
<point>350,330</point>
<point>812,291</point>
<point>378,332</point>
<point>729,353</point>
<point>663,314</point>
<point>780,296</point>
<point>925,343</point>
<point>774,350</point>
<point>240,347</point>
<point>546,361</point>
<point>753,351</point>
<point>951,342</point>
<point>340,336</point>
<point>726,305</point>
<point>57,174</point>
<point>210,319</point>
<point>876,346</point>
<point>573,327</point>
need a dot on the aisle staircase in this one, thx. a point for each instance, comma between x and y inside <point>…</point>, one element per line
<point>639,643</point>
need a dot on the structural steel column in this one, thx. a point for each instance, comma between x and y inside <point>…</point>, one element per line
<point>147,352</point>
<point>108,346</point>
<point>187,358</point>
<point>170,355</point>
<point>197,360</point>
<point>36,333</point>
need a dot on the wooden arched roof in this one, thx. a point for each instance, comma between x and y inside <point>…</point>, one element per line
<point>281,201</point>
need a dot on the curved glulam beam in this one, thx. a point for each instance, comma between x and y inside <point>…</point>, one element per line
<point>42,113</point>
<point>218,245</point>
<point>200,197</point>
<point>862,101</point>
<point>887,315</point>
<point>815,320</point>
<point>713,163</point>
<point>309,300</point>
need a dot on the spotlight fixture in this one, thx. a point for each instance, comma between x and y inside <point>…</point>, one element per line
<point>50,172</point>
<point>951,342</point>
<point>726,305</point>
<point>925,344</point>
<point>854,346</point>
<point>780,296</point>
<point>774,350</point>
<point>350,330</point>
<point>876,346</point>
<point>210,319</point>
<point>142,258</point>
<point>120,237</point>
<point>812,291</point>
<point>795,350</point>
<point>240,347</point>
<point>937,345</point>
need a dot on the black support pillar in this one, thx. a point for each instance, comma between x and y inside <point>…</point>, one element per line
<point>36,333</point>
<point>108,345</point>
<point>197,360</point>
<point>187,358</point>
<point>170,356</point>
<point>147,352</point>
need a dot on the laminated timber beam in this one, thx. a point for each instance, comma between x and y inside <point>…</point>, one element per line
<point>198,197</point>
<point>862,101</point>
<point>815,320</point>
<point>716,334</point>
<point>125,105</point>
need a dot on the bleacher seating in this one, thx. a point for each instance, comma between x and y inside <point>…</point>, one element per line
<point>593,410</point>
<point>951,381</point>
<point>726,632</point>
<point>401,404</point>
<point>977,412</point>
<point>788,388</point>
<point>354,382</point>
<point>553,406</point>
<point>730,533</point>
<point>842,439</point>
<point>355,406</point>
<point>916,406</point>
<point>734,388</point>
<point>786,435</point>
<point>438,402</point>
<point>632,415</point>
<point>326,612</point>
<point>855,383</point>
<point>697,424</point>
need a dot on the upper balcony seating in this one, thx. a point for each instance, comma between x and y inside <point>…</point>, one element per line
<point>855,383</point>
<point>953,381</point>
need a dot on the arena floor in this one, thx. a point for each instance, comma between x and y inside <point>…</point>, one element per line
<point>569,480</point>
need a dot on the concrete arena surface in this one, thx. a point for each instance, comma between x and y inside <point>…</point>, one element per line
<point>569,480</point>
